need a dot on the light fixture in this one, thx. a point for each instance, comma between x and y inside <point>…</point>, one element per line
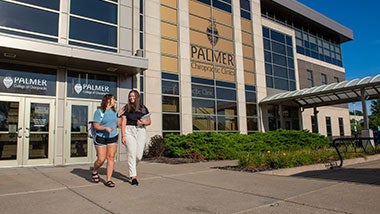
<point>10,55</point>
<point>139,53</point>
<point>112,69</point>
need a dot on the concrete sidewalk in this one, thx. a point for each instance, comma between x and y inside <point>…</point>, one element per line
<point>194,188</point>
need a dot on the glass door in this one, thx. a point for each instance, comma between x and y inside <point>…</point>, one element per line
<point>26,131</point>
<point>9,130</point>
<point>79,148</point>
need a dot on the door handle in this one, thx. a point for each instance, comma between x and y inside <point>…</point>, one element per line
<point>27,136</point>
<point>18,131</point>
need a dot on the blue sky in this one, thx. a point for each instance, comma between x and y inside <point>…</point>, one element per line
<point>361,56</point>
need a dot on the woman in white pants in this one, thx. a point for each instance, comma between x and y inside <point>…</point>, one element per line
<point>134,120</point>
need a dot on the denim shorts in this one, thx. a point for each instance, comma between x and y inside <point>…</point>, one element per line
<point>106,141</point>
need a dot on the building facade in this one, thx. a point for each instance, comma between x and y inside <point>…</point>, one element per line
<point>200,65</point>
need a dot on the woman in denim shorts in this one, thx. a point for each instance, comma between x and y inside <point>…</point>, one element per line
<point>105,123</point>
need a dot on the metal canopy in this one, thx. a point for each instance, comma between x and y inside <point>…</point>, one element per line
<point>335,93</point>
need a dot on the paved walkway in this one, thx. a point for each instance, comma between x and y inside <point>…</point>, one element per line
<point>194,188</point>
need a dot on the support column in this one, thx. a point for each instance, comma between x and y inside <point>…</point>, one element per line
<point>315,111</point>
<point>282,125</point>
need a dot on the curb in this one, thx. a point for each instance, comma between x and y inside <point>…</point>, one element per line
<point>296,170</point>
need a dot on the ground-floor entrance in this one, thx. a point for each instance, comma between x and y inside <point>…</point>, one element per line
<point>26,131</point>
<point>78,147</point>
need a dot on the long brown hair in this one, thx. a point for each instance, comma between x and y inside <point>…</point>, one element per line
<point>136,106</point>
<point>105,100</point>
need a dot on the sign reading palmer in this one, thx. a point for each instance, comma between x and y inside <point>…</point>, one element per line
<point>28,82</point>
<point>207,61</point>
<point>90,86</point>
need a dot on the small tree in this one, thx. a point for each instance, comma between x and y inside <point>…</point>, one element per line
<point>374,119</point>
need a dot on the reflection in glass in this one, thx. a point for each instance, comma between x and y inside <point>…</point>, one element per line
<point>78,143</point>
<point>170,104</point>
<point>227,108</point>
<point>39,130</point>
<point>204,123</point>
<point>227,123</point>
<point>170,122</point>
<point>32,19</point>
<point>203,106</point>
<point>8,130</point>
<point>252,124</point>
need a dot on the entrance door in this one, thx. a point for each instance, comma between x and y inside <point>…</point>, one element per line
<point>26,131</point>
<point>79,148</point>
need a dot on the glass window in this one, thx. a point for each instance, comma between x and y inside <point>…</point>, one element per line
<point>169,76</point>
<point>245,14</point>
<point>227,108</point>
<point>250,96</point>
<point>95,9</point>
<point>277,36</point>
<point>328,126</point>
<point>170,104</point>
<point>221,5</point>
<point>244,4</point>
<point>280,71</point>
<point>324,78</point>
<point>201,106</point>
<point>170,87</point>
<point>51,4</point>
<point>310,79</point>
<point>336,79</point>
<point>278,48</point>
<point>225,94</point>
<point>252,124</point>
<point>251,109</point>
<point>203,123</point>
<point>28,19</point>
<point>281,84</point>
<point>170,122</point>
<point>202,91</point>
<point>279,59</point>
<point>341,126</point>
<point>85,30</point>
<point>227,123</point>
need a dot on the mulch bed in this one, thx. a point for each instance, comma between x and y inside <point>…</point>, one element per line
<point>188,160</point>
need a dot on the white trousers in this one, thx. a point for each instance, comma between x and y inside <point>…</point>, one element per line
<point>136,137</point>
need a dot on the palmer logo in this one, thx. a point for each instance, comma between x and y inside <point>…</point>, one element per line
<point>212,33</point>
<point>8,81</point>
<point>91,89</point>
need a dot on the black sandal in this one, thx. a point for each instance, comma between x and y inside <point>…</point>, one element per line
<point>110,184</point>
<point>95,177</point>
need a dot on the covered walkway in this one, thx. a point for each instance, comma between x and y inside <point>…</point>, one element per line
<point>336,93</point>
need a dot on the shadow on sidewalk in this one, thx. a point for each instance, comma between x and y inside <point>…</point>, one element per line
<point>362,175</point>
<point>86,174</point>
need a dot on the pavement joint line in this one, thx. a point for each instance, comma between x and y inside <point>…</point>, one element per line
<point>33,191</point>
<point>75,192</point>
<point>288,200</point>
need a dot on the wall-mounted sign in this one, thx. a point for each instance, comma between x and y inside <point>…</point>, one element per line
<point>27,80</point>
<point>90,86</point>
<point>206,60</point>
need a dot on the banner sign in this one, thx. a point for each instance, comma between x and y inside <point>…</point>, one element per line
<point>90,86</point>
<point>28,82</point>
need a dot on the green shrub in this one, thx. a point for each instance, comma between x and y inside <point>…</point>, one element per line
<point>259,151</point>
